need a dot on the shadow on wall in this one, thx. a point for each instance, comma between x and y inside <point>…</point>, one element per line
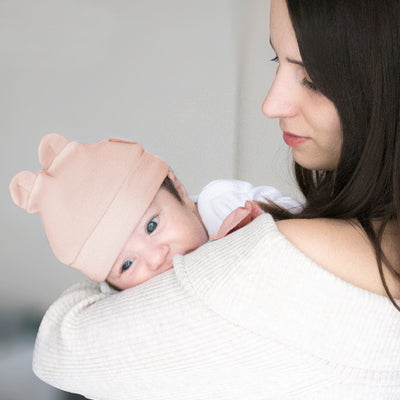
<point>17,381</point>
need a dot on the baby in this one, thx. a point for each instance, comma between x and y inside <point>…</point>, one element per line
<point>117,213</point>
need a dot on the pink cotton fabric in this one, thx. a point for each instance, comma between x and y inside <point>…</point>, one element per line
<point>238,218</point>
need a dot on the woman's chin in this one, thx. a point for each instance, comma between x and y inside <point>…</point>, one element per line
<point>316,163</point>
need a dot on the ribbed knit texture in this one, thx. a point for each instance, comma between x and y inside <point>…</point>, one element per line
<point>247,317</point>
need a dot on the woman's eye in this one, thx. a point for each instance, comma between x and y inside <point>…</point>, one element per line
<point>275,59</point>
<point>152,225</point>
<point>308,84</point>
<point>127,264</point>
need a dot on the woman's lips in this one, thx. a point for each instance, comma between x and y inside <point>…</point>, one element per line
<point>293,140</point>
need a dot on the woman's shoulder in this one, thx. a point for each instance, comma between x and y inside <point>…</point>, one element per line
<point>341,247</point>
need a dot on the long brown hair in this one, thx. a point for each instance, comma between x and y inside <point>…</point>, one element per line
<point>351,51</point>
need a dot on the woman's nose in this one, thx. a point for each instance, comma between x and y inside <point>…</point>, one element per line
<point>157,256</point>
<point>281,100</point>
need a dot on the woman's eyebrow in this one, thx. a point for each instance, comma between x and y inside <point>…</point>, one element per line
<point>290,60</point>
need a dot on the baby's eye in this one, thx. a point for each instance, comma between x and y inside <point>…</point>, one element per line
<point>152,225</point>
<point>127,264</point>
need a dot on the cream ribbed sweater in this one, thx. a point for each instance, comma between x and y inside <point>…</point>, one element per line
<point>247,317</point>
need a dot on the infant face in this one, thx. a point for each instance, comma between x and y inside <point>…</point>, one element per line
<point>167,228</point>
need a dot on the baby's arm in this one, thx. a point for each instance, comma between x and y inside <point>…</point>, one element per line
<point>219,198</point>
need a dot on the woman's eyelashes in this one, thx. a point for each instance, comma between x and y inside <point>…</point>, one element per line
<point>152,225</point>
<point>308,84</point>
<point>127,264</point>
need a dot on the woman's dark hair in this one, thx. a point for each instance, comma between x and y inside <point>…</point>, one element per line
<point>351,51</point>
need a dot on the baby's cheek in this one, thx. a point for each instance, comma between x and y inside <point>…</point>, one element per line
<point>203,236</point>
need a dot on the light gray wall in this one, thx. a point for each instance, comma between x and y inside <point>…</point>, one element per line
<point>185,78</point>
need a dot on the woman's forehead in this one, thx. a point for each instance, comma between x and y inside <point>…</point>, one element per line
<point>282,35</point>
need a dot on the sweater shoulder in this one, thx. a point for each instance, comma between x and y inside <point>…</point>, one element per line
<point>257,278</point>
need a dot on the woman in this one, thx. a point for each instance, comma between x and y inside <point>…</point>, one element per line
<point>303,308</point>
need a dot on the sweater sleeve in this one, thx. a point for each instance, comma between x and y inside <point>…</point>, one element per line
<point>159,340</point>
<point>244,317</point>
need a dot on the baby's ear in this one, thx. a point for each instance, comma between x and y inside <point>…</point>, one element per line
<point>178,185</point>
<point>49,147</point>
<point>21,187</point>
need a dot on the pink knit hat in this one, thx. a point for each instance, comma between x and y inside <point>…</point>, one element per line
<point>90,197</point>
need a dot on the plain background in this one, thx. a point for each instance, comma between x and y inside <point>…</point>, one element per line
<point>184,78</point>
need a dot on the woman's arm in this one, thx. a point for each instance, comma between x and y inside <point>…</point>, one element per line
<point>245,317</point>
<point>159,340</point>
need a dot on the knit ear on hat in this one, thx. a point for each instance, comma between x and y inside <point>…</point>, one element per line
<point>49,147</point>
<point>21,187</point>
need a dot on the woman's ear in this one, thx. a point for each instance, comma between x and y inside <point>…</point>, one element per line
<point>178,185</point>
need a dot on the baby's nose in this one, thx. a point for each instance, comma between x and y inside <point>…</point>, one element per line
<point>158,256</point>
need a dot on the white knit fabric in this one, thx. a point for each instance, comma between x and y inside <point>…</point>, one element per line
<point>247,317</point>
